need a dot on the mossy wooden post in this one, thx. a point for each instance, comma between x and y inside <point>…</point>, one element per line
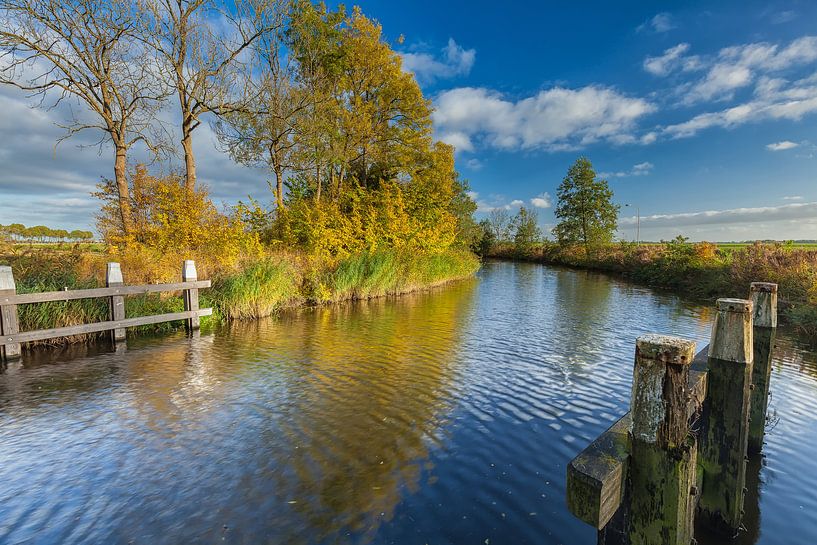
<point>113,279</point>
<point>191,296</point>
<point>764,300</point>
<point>9,324</point>
<point>662,457</point>
<point>725,427</point>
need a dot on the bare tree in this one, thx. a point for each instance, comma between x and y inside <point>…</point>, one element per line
<point>263,133</point>
<point>85,49</point>
<point>204,44</point>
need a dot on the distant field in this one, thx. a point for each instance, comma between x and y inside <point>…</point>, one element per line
<point>737,245</point>
<point>61,246</point>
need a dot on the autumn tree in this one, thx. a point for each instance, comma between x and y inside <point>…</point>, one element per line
<point>86,50</point>
<point>202,44</point>
<point>586,213</point>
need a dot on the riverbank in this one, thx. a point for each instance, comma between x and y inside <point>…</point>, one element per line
<point>250,289</point>
<point>699,270</point>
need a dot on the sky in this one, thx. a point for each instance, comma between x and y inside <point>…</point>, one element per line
<point>701,116</point>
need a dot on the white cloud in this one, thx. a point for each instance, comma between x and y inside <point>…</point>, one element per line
<point>474,164</point>
<point>793,211</point>
<point>494,202</point>
<point>780,146</point>
<point>641,169</point>
<point>738,66</point>
<point>773,100</point>
<point>783,17</point>
<point>553,119</point>
<point>661,22</point>
<point>793,198</point>
<point>455,61</point>
<point>671,59</point>
<point>542,201</point>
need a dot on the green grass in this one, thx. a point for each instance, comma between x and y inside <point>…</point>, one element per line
<point>256,291</point>
<point>375,274</point>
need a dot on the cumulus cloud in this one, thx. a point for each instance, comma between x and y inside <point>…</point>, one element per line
<point>494,202</point>
<point>793,211</point>
<point>780,146</point>
<point>473,164</point>
<point>641,169</point>
<point>454,60</point>
<point>542,201</point>
<point>553,119</point>
<point>661,22</point>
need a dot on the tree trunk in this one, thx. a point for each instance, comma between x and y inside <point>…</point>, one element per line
<point>189,162</point>
<point>279,187</point>
<point>318,181</point>
<point>122,189</point>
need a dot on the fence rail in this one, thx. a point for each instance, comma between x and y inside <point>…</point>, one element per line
<point>11,337</point>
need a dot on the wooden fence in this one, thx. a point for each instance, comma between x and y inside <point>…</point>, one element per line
<point>11,338</point>
<point>681,451</point>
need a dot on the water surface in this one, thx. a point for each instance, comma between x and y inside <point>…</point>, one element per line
<point>446,417</point>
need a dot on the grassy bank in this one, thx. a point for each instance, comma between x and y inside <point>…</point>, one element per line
<point>699,270</point>
<point>250,289</point>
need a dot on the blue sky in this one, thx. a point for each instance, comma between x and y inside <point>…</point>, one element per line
<point>701,114</point>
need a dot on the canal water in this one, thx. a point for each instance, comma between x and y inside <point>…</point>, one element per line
<point>445,417</point>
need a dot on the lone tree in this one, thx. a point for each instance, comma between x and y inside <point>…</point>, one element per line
<point>586,213</point>
<point>526,232</point>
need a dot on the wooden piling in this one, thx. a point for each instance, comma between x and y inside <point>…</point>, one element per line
<point>663,452</point>
<point>9,324</point>
<point>113,278</point>
<point>764,328</point>
<point>191,296</point>
<point>724,435</point>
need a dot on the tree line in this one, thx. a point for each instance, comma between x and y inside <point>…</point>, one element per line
<point>587,216</point>
<point>40,233</point>
<point>313,95</point>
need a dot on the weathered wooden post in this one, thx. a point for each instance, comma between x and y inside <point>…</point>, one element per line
<point>9,325</point>
<point>191,296</point>
<point>724,429</point>
<point>663,453</point>
<point>113,278</point>
<point>764,300</point>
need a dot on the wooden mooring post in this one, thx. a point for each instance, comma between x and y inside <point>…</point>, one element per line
<point>663,453</point>
<point>725,419</point>
<point>680,454</point>
<point>764,328</point>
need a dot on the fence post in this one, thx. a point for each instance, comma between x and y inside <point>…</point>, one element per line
<point>663,453</point>
<point>9,324</point>
<point>191,296</point>
<point>113,278</point>
<point>722,453</point>
<point>764,299</point>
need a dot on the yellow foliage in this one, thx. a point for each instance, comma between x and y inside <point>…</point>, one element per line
<point>172,223</point>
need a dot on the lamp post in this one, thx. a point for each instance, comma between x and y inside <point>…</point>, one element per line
<point>637,222</point>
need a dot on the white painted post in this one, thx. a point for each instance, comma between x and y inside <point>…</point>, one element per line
<point>113,278</point>
<point>9,324</point>
<point>191,296</point>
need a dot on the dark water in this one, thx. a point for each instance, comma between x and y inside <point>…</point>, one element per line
<point>445,417</point>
